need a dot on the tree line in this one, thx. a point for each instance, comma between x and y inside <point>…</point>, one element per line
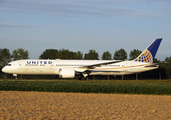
<point>163,72</point>
<point>91,55</point>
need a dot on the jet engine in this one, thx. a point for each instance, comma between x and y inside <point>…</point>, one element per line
<point>66,73</point>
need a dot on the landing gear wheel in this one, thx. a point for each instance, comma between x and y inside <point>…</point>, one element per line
<point>87,78</point>
<point>81,77</point>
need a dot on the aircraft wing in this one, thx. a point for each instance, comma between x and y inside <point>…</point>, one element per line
<point>100,64</point>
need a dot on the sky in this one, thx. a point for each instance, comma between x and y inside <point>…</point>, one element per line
<point>81,25</point>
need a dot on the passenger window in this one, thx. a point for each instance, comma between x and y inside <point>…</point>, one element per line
<point>9,64</point>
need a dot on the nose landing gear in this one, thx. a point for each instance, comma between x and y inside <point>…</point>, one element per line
<point>15,75</point>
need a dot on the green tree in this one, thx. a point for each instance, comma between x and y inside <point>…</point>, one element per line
<point>134,54</point>
<point>167,66</point>
<point>64,54</point>
<point>78,55</point>
<point>92,55</point>
<point>5,57</point>
<point>106,55</point>
<point>20,53</point>
<point>85,56</point>
<point>168,60</point>
<point>156,61</point>
<point>49,54</point>
<point>120,55</point>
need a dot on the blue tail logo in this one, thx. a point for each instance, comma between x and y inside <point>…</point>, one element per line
<point>149,53</point>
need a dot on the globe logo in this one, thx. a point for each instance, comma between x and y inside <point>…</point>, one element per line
<point>145,57</point>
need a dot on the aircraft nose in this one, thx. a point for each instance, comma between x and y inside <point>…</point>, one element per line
<point>4,69</point>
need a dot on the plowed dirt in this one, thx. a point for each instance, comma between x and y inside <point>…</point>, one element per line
<point>48,105</point>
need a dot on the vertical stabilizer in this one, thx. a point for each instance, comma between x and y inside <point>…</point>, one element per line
<point>149,53</point>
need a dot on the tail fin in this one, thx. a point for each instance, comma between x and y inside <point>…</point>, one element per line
<point>149,53</point>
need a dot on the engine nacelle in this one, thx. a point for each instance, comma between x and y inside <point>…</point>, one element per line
<point>66,73</point>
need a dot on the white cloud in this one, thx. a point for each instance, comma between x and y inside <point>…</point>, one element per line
<point>10,25</point>
<point>78,8</point>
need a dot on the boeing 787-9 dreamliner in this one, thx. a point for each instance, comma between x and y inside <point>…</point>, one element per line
<point>84,68</point>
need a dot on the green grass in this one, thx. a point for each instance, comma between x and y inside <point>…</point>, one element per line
<point>155,87</point>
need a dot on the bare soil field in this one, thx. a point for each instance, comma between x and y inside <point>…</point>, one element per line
<point>49,105</point>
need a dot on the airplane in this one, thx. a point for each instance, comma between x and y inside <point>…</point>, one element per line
<point>84,68</point>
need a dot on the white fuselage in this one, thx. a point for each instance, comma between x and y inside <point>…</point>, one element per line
<point>52,67</point>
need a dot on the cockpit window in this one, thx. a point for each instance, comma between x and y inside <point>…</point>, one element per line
<point>9,64</point>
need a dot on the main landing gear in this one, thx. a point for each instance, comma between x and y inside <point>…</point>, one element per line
<point>83,77</point>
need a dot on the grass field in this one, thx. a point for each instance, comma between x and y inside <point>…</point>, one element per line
<point>156,87</point>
